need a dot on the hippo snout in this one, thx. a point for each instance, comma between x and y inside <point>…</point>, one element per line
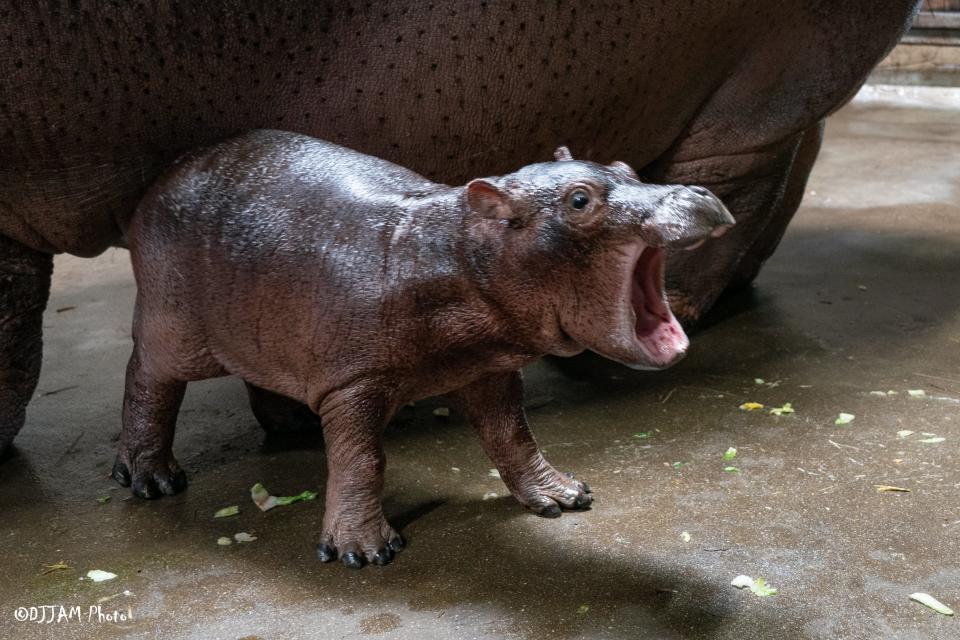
<point>713,208</point>
<point>685,217</point>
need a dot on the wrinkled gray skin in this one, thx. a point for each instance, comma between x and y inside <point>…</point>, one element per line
<point>97,98</point>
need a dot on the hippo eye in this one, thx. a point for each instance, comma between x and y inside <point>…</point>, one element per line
<point>579,199</point>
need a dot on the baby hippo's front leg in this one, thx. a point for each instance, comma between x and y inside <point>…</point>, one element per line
<point>494,405</point>
<point>354,527</point>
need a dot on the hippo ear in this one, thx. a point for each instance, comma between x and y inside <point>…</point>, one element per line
<point>625,169</point>
<point>489,201</point>
<point>561,154</point>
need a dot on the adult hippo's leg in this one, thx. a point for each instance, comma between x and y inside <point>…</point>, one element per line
<point>762,189</point>
<point>754,137</point>
<point>24,289</point>
<point>280,414</point>
<point>766,243</point>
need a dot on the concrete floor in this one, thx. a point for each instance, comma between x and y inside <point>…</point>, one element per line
<point>862,296</point>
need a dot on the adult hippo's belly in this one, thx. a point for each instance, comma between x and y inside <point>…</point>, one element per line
<point>96,99</point>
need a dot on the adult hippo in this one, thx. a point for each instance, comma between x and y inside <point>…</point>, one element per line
<point>97,98</point>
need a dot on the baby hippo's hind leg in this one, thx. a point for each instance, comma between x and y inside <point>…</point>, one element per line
<point>145,461</point>
<point>279,414</point>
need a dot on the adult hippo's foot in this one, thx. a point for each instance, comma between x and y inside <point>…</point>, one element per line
<point>24,288</point>
<point>145,461</point>
<point>494,405</point>
<point>279,414</point>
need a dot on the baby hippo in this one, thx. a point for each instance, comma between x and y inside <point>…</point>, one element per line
<point>355,286</point>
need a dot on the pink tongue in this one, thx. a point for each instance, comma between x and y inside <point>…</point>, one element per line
<point>666,341</point>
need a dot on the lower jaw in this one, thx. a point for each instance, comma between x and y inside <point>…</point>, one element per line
<point>662,348</point>
<point>664,345</point>
<point>659,357</point>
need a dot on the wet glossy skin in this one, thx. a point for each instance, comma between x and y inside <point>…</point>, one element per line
<point>97,99</point>
<point>355,286</point>
<point>844,556</point>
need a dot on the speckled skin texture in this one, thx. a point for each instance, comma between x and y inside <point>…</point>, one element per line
<point>97,98</point>
<point>354,286</point>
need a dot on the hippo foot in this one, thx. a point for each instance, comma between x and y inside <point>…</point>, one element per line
<point>150,479</point>
<point>374,543</point>
<point>549,493</point>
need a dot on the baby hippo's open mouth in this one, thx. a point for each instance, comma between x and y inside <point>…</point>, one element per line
<point>659,335</point>
<point>620,309</point>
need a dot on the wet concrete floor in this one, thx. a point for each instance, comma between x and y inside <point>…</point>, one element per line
<point>862,297</point>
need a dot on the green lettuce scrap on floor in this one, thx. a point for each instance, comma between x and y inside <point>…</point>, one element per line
<point>758,586</point>
<point>227,512</point>
<point>283,501</point>
<point>100,576</point>
<point>265,501</point>
<point>785,409</point>
<point>928,600</point>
